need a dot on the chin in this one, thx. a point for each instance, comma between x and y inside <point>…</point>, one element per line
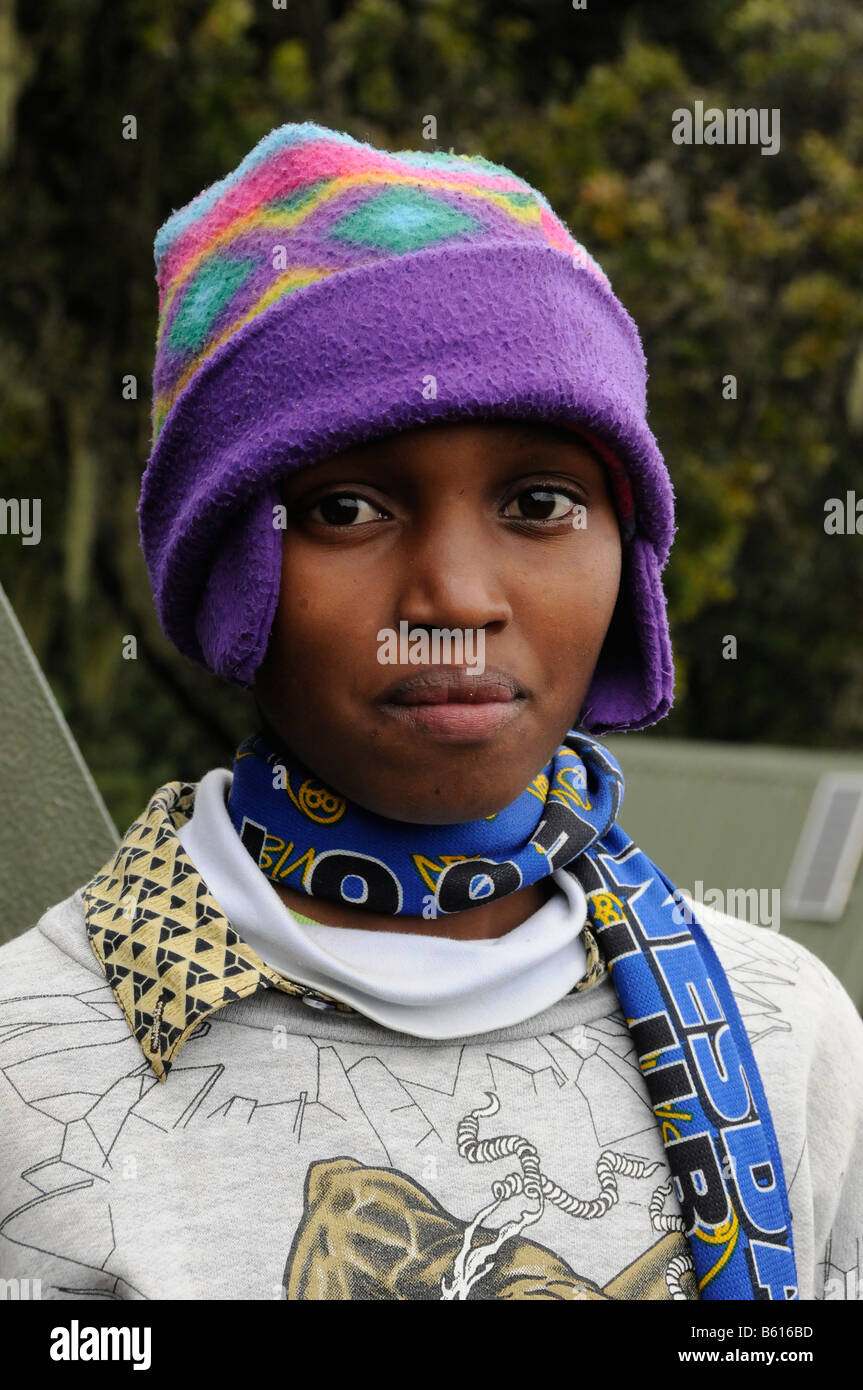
<point>442,810</point>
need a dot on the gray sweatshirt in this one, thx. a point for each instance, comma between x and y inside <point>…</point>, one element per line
<point>177,1122</point>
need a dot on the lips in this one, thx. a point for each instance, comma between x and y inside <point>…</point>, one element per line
<point>447,687</point>
<point>453,706</point>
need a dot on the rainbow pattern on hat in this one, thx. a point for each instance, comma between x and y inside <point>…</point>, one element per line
<point>307,203</point>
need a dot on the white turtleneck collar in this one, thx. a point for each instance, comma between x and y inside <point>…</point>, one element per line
<point>429,986</point>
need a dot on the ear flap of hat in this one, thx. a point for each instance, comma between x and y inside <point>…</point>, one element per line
<point>633,683</point>
<point>236,613</point>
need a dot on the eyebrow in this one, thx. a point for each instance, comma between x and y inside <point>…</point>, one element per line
<point>547,433</point>
<point>555,438</point>
<point>561,438</point>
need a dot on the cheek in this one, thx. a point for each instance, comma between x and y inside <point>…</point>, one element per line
<point>574,603</point>
<point>598,593</point>
<point>324,624</point>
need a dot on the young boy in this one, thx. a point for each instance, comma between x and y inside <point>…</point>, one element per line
<point>402,489</point>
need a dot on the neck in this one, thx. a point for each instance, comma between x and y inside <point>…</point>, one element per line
<point>479,924</point>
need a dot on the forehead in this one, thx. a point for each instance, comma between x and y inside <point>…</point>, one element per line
<point>477,434</point>
<point>462,444</point>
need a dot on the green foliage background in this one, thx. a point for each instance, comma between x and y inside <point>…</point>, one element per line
<point>729,261</point>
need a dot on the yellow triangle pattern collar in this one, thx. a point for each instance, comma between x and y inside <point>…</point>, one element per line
<point>167,949</point>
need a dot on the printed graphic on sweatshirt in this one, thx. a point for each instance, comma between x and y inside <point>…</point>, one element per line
<point>372,1233</point>
<point>100,1125</point>
<point>410,1135</point>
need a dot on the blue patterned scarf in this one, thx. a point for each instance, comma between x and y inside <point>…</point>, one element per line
<point>693,1049</point>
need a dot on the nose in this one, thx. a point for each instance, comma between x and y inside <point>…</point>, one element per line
<point>453,575</point>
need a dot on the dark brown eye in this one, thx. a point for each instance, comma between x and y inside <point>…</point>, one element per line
<point>543,504</point>
<point>343,509</point>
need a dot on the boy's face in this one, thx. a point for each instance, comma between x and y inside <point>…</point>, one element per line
<point>467,527</point>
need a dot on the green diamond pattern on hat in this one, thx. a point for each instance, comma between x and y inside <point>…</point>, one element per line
<point>336,204</point>
<point>208,293</point>
<point>403,219</point>
<point>291,202</point>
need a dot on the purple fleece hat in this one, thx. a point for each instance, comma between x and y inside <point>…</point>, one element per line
<point>306,302</point>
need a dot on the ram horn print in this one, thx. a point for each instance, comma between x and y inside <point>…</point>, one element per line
<point>472,1265</point>
<point>375,1233</point>
<point>533,1182</point>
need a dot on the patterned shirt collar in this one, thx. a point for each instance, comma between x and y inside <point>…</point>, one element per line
<point>168,951</point>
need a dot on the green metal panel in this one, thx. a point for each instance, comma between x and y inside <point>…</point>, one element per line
<point>730,815</point>
<point>55,831</point>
